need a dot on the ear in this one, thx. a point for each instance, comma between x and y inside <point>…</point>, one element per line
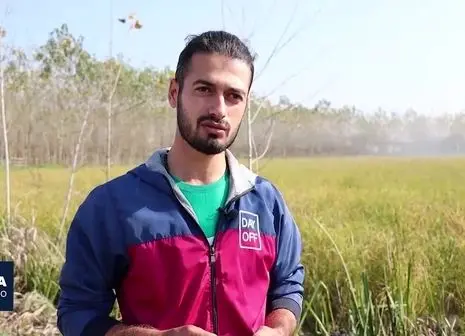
<point>173,93</point>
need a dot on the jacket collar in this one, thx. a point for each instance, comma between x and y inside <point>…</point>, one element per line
<point>242,179</point>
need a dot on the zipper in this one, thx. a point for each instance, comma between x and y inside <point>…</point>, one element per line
<point>212,250</point>
<point>213,288</point>
<point>212,262</point>
<point>212,259</point>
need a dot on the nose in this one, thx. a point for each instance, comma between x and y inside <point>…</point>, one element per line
<point>218,106</point>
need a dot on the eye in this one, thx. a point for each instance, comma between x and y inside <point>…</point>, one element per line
<point>236,96</point>
<point>203,89</point>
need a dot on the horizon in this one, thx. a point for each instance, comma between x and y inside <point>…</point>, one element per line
<point>367,55</point>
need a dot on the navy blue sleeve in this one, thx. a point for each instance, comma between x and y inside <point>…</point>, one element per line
<point>94,258</point>
<point>287,278</point>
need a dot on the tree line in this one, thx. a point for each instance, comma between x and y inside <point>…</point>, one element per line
<point>51,92</point>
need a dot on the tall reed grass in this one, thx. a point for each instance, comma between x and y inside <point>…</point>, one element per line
<point>384,243</point>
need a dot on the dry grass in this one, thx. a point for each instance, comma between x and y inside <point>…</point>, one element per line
<point>384,238</point>
<point>37,264</point>
<point>34,315</point>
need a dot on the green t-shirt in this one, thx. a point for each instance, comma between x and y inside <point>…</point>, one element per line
<point>205,200</point>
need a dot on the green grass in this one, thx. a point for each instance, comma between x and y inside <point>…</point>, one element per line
<point>384,243</point>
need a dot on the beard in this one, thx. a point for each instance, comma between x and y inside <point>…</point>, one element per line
<point>209,145</point>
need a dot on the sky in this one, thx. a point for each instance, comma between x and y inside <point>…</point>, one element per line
<point>390,54</point>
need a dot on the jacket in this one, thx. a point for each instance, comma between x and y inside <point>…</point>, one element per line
<point>135,239</point>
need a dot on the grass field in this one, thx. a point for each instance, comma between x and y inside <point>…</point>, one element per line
<point>384,243</point>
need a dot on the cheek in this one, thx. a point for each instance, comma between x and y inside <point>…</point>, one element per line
<point>195,107</point>
<point>190,109</point>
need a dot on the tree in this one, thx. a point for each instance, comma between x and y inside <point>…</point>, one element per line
<point>134,25</point>
<point>48,92</point>
<point>5,131</point>
<point>252,114</point>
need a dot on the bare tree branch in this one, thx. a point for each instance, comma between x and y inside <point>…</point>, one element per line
<point>225,5</point>
<point>254,30</point>
<point>130,108</point>
<point>278,46</point>
<point>268,142</point>
<point>110,42</point>
<point>223,22</point>
<point>280,85</point>
<point>109,120</point>
<point>77,150</point>
<point>255,152</point>
<point>110,98</point>
<point>249,132</point>
<point>5,132</point>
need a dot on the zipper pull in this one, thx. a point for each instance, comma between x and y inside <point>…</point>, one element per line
<point>212,254</point>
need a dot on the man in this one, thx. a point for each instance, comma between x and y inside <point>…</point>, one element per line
<point>190,242</point>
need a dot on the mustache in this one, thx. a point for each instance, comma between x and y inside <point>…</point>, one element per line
<point>212,118</point>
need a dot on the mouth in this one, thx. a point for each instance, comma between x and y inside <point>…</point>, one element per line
<point>211,125</point>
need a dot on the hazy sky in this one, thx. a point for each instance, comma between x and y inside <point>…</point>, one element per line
<point>394,54</point>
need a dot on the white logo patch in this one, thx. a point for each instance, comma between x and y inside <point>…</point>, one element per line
<point>249,231</point>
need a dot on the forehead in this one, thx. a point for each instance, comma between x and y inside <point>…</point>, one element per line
<point>219,70</point>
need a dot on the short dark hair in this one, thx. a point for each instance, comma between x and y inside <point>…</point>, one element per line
<point>210,42</point>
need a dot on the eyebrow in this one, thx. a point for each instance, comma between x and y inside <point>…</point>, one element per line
<point>205,82</point>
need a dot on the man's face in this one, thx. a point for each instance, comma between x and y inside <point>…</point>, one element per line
<point>212,103</point>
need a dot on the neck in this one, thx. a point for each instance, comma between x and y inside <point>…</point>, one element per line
<point>192,166</point>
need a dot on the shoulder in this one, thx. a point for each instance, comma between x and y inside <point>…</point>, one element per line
<point>101,196</point>
<point>270,193</point>
<point>274,200</point>
<point>264,187</point>
<point>268,187</point>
